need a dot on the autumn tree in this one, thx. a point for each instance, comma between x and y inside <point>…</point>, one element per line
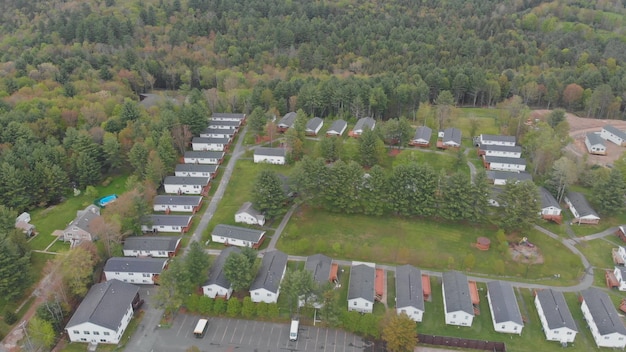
<point>564,173</point>
<point>108,232</point>
<point>267,194</point>
<point>77,267</point>
<point>41,333</point>
<point>399,332</point>
<point>572,96</point>
<point>181,135</point>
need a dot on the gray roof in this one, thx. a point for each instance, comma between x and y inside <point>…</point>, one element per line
<point>270,151</point>
<point>210,140</point>
<point>452,134</point>
<point>365,122</point>
<point>151,243</point>
<point>423,132</point>
<point>186,180</point>
<point>505,175</point>
<point>271,271</point>
<point>595,138</point>
<point>247,207</point>
<point>216,272</point>
<point>314,123</point>
<point>204,155</point>
<point>105,305</point>
<point>338,126</point>
<point>503,303</point>
<point>288,119</point>
<point>457,295</point>
<point>499,138</point>
<point>505,160</point>
<point>168,220</point>
<point>219,131</point>
<point>236,232</point>
<point>547,199</point>
<point>319,265</point>
<point>233,124</point>
<point>610,128</point>
<point>555,310</point>
<point>177,200</point>
<point>227,115</point>
<point>135,265</point>
<point>196,168</point>
<point>409,291</point>
<point>362,279</point>
<point>501,148</point>
<point>579,202</point>
<point>84,217</point>
<point>603,312</point>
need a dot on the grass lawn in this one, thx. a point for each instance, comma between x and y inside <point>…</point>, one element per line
<point>598,252</point>
<point>436,160</point>
<point>427,244</point>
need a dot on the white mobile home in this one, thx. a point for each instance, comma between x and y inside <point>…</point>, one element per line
<point>607,328</point>
<point>361,291</point>
<point>409,292</point>
<point>196,170</point>
<point>166,223</point>
<point>580,208</point>
<point>217,133</point>
<point>505,314</point>
<point>213,158</point>
<point>313,126</point>
<point>213,144</point>
<point>491,139</point>
<point>237,236</point>
<point>266,285</point>
<point>270,155</point>
<point>217,285</point>
<point>500,178</point>
<point>505,151</point>
<point>457,303</point>
<point>595,144</point>
<point>422,137</point>
<point>183,204</point>
<point>143,271</point>
<point>151,246</point>
<point>555,316</point>
<point>248,215</point>
<point>186,185</point>
<point>337,128</point>
<point>361,125</point>
<point>612,134</point>
<point>504,164</point>
<point>224,116</point>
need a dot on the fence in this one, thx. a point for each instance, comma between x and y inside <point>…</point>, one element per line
<point>462,343</point>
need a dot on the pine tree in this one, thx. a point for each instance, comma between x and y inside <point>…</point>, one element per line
<point>268,195</point>
<point>520,204</point>
<point>373,193</point>
<point>608,192</point>
<point>368,148</point>
<point>456,202</point>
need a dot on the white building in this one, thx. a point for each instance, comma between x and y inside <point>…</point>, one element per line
<point>166,223</point>
<point>337,128</point>
<point>217,285</point>
<point>214,144</point>
<point>422,137</point>
<point>550,208</point>
<point>491,139</point>
<point>286,121</point>
<point>182,204</point>
<point>620,275</point>
<point>186,185</point>
<point>580,208</point>
<point>607,328</point>
<point>313,126</point>
<point>196,170</point>
<point>323,272</point>
<point>248,215</point>
<point>237,236</point>
<point>595,144</point>
<point>451,137</point>
<point>151,246</point>
<point>266,285</point>
<point>214,158</point>
<point>361,125</point>
<point>500,178</point>
<point>143,271</point>
<point>409,292</point>
<point>457,303</point>
<point>224,116</point>
<point>505,314</point>
<point>505,151</point>
<point>614,135</point>
<point>270,155</point>
<point>361,291</point>
<point>505,164</point>
<point>218,133</point>
<point>556,319</point>
<point>225,125</point>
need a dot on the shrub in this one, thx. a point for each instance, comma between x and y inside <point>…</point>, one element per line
<point>272,311</point>
<point>10,317</point>
<point>234,307</point>
<point>219,306</point>
<point>248,308</point>
<point>193,303</point>
<point>205,306</point>
<point>261,310</point>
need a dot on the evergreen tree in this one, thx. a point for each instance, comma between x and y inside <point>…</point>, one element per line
<point>411,189</point>
<point>456,198</point>
<point>520,204</point>
<point>608,192</point>
<point>197,264</point>
<point>13,278</point>
<point>138,159</point>
<point>239,271</point>
<point>268,195</point>
<point>167,152</point>
<point>297,285</point>
<point>479,196</point>
<point>257,121</point>
<point>330,148</point>
<point>130,112</point>
<point>369,148</point>
<point>310,179</point>
<point>373,194</point>
<point>112,151</point>
<point>88,170</point>
<point>343,185</point>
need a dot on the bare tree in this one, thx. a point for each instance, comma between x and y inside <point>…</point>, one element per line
<point>182,137</point>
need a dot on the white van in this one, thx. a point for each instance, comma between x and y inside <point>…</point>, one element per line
<point>293,332</point>
<point>201,328</point>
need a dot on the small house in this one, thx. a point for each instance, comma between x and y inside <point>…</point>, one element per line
<point>504,164</point>
<point>196,170</point>
<point>409,292</point>
<point>505,313</point>
<point>449,138</point>
<point>200,144</point>
<point>22,222</point>
<point>286,122</point>
<point>421,137</point>
<point>208,157</point>
<point>266,285</point>
<point>104,313</point>
<point>222,116</point>
<point>457,302</point>
<point>595,144</point>
<point>500,178</point>
<point>217,133</point>
<point>505,151</point>
<point>80,228</point>
<point>186,185</point>
<point>361,125</point>
<point>323,271</point>
<point>612,134</point>
<point>270,155</point>
<point>248,215</point>
<point>143,271</point>
<point>182,204</point>
<point>225,125</point>
<point>237,236</point>
<point>580,208</point>
<point>361,289</point>
<point>337,128</point>
<point>167,223</point>
<point>556,319</point>
<point>151,246</point>
<point>491,139</point>
<point>313,126</point>
<point>607,328</point>
<point>550,208</point>
<point>217,285</point>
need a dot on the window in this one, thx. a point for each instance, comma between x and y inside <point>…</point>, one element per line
<point>96,333</point>
<point>131,274</point>
<point>83,339</point>
<point>556,332</point>
<point>117,273</point>
<point>453,315</point>
<point>103,340</point>
<point>569,332</point>
<point>86,332</point>
<point>146,275</point>
<point>354,304</point>
<point>209,289</point>
<point>256,293</point>
<point>269,295</point>
<point>106,333</point>
<point>367,304</point>
<point>621,339</point>
<point>76,332</point>
<point>515,328</point>
<point>606,337</point>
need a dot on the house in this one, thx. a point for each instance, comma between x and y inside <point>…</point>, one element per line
<point>208,157</point>
<point>225,125</point>
<point>361,295</point>
<point>600,314</point>
<point>323,271</point>
<point>580,208</point>
<point>449,138</point>
<point>167,223</point>
<point>237,236</point>
<point>337,128</point>
<point>409,292</point>
<point>550,208</point>
<point>500,178</point>
<point>217,285</point>
<point>313,126</point>
<point>506,151</point>
<point>270,155</point>
<point>504,164</point>
<point>196,170</point>
<point>457,302</point>
<point>266,285</point>
<point>287,121</point>
<point>183,204</point>
<point>619,256</point>
<point>80,228</point>
<point>217,133</point>
<point>143,271</point>
<point>213,144</point>
<point>491,139</point>
<point>248,215</point>
<point>595,144</point>
<point>620,275</point>
<point>222,116</point>
<point>621,232</point>
<point>614,135</point>
<point>104,313</point>
<point>361,125</point>
<point>556,319</point>
<point>186,185</point>
<point>22,222</point>
<point>422,137</point>
<point>151,246</point>
<point>505,314</point>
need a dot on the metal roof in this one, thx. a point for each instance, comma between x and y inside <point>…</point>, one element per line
<point>239,233</point>
<point>501,148</point>
<point>230,123</point>
<point>555,310</point>
<point>218,131</point>
<point>151,243</point>
<point>135,265</point>
<point>270,151</point>
<point>506,175</point>
<point>177,200</point>
<point>595,138</point>
<point>457,295</point>
<point>319,265</point>
<point>581,205</point>
<point>288,119</point>
<point>603,312</point>
<point>216,272</point>
<point>271,271</point>
<point>409,291</point>
<point>364,122</point>
<point>209,140</point>
<point>498,138</point>
<point>362,278</point>
<point>503,303</point>
<point>248,208</point>
<point>226,115</point>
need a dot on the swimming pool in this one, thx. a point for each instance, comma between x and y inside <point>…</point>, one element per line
<point>106,200</point>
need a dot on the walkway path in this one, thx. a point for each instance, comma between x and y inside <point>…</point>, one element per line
<point>610,231</point>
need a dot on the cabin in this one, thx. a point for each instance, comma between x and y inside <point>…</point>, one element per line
<point>248,215</point>
<point>505,313</point>
<point>323,272</point>
<point>200,144</point>
<point>143,271</point>
<point>504,164</point>
<point>556,319</point>
<point>614,135</point>
<point>505,151</point>
<point>361,289</point>
<point>277,156</point>
<point>286,122</point>
<point>223,116</point>
<point>266,285</point>
<point>500,178</point>
<point>104,313</point>
<point>491,139</point>
<point>409,292</point>
<point>208,157</point>
<point>457,302</point>
<point>601,316</point>
<point>580,208</point>
<point>337,128</point>
<point>151,246</point>
<point>167,223</point>
<point>595,144</point>
<point>422,137</point>
<point>180,204</point>
<point>550,208</point>
<point>217,133</point>
<point>361,125</point>
<point>186,185</point>
<point>449,138</point>
<point>313,126</point>
<point>80,229</point>
<point>237,236</point>
<point>196,170</point>
<point>217,285</point>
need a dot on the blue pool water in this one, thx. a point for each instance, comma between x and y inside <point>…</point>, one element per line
<point>108,199</point>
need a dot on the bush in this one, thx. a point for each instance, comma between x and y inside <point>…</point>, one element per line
<point>219,306</point>
<point>234,307</point>
<point>193,303</point>
<point>261,310</point>
<point>205,306</point>
<point>272,311</point>
<point>10,317</point>
<point>248,308</point>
